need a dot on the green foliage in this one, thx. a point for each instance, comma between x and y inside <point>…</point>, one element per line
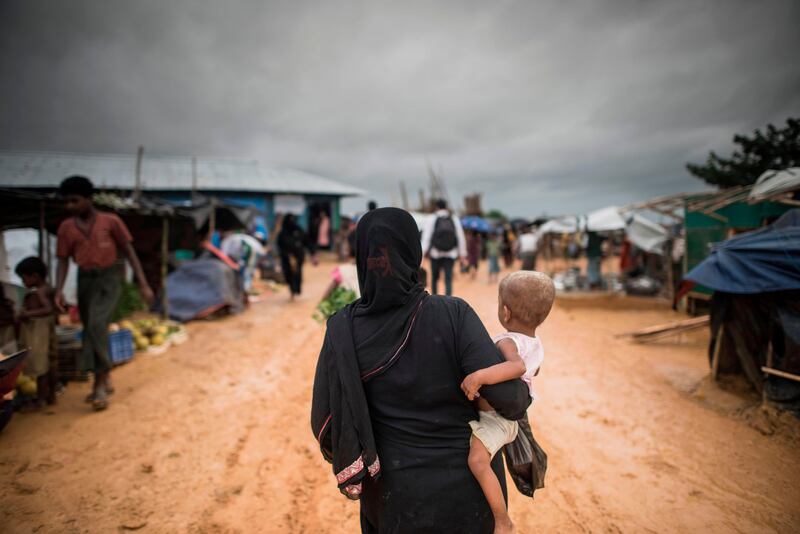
<point>338,299</point>
<point>130,300</point>
<point>496,214</point>
<point>775,148</point>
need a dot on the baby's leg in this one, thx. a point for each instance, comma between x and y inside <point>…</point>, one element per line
<point>480,463</point>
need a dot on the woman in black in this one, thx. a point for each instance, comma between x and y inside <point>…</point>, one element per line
<point>293,243</point>
<point>387,410</point>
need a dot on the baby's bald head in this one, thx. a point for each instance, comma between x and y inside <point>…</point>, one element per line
<point>529,295</point>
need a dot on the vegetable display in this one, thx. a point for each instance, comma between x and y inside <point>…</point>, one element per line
<point>338,299</point>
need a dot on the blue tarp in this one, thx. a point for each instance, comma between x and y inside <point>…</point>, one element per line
<point>756,262</point>
<point>478,224</point>
<point>202,286</point>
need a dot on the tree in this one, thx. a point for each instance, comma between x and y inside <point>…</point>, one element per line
<point>496,214</point>
<point>773,149</point>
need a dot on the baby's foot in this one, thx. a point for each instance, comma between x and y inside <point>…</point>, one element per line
<point>503,525</point>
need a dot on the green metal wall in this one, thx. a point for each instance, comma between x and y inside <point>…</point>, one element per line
<point>703,231</point>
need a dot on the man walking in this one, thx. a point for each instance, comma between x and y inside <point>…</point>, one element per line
<point>443,242</point>
<point>528,246</point>
<point>91,238</point>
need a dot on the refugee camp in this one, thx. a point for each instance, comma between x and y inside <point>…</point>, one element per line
<point>453,267</point>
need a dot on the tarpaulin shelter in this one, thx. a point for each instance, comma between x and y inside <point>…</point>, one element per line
<point>755,262</point>
<point>775,184</point>
<point>755,309</point>
<point>606,219</point>
<point>646,234</point>
<point>201,287</point>
<point>562,225</point>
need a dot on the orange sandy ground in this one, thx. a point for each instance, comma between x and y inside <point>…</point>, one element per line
<point>213,436</point>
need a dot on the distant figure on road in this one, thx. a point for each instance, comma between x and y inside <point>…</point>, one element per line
<point>91,238</point>
<point>474,246</point>
<point>509,246</point>
<point>493,248</point>
<point>324,230</point>
<point>443,242</point>
<point>527,247</point>
<point>594,258</point>
<point>293,243</point>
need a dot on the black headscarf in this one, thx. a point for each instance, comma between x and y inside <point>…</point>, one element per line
<point>364,340</point>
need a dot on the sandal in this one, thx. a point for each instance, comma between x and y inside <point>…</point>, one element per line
<point>99,405</point>
<point>100,402</point>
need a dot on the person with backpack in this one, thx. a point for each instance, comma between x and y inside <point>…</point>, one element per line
<point>443,242</point>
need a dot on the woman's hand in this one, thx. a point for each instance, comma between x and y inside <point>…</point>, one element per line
<point>471,384</point>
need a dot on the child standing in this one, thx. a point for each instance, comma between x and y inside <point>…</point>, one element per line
<point>91,238</point>
<point>525,300</point>
<point>493,249</point>
<point>37,329</point>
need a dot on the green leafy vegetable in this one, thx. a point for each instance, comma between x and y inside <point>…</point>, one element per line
<point>338,299</point>
<point>129,301</point>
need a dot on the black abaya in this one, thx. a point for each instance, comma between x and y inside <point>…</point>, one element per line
<point>400,401</point>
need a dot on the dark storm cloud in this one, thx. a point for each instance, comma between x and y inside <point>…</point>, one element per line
<point>545,107</point>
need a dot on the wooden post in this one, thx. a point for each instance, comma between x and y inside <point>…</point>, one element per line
<point>164,261</point>
<point>212,219</point>
<point>717,349</point>
<point>42,230</point>
<point>770,358</point>
<point>194,179</point>
<point>137,190</point>
<point>670,280</point>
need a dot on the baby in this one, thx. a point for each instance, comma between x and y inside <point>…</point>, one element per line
<point>525,300</point>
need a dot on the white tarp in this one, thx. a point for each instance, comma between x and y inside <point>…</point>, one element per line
<point>562,225</point>
<point>776,182</point>
<point>646,234</point>
<point>605,220</point>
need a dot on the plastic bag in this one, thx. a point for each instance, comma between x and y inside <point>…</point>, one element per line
<point>525,460</point>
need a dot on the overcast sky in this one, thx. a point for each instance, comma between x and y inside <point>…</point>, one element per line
<point>544,107</point>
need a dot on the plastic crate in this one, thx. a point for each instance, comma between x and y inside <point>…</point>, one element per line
<point>120,346</point>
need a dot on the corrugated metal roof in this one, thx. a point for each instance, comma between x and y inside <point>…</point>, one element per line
<point>161,173</point>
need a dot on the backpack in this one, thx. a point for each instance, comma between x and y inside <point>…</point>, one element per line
<point>444,234</point>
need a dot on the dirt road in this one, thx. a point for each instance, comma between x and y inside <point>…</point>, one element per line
<point>213,436</point>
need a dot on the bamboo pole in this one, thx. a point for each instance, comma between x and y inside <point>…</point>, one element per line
<point>42,230</point>
<point>137,190</point>
<point>717,349</point>
<point>782,374</point>
<point>164,258</point>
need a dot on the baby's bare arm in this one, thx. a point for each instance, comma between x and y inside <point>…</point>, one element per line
<point>510,369</point>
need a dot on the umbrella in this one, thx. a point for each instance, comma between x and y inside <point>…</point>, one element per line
<point>478,224</point>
